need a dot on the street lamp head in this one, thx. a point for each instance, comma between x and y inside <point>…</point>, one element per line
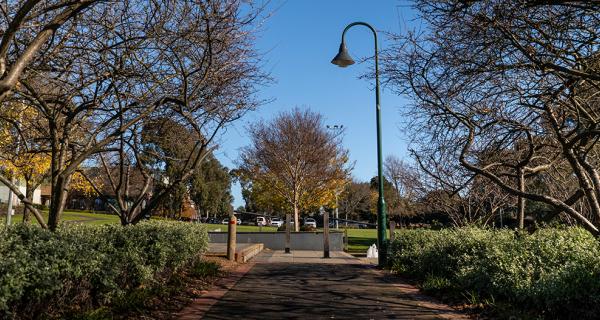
<point>343,58</point>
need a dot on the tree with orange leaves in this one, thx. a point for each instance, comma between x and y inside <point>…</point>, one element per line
<point>294,159</point>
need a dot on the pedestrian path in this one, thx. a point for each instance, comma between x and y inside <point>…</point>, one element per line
<point>302,285</point>
<point>305,256</point>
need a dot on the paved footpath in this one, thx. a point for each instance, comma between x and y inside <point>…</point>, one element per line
<point>304,286</point>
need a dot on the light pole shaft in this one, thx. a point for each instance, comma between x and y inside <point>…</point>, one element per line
<point>381,209</point>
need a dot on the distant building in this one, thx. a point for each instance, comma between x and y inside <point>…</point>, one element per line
<point>37,194</point>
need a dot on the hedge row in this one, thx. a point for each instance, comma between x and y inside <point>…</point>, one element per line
<point>554,273</point>
<point>83,267</point>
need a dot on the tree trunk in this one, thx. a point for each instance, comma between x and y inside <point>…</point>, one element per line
<point>296,220</point>
<point>400,219</point>
<point>57,202</point>
<point>521,200</point>
<point>29,196</point>
<point>124,217</point>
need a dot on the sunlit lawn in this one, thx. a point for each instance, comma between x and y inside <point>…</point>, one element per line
<point>359,240</point>
<point>240,228</point>
<point>71,217</point>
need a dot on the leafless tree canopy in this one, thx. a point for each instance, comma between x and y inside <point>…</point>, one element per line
<point>508,90</point>
<point>112,68</point>
<point>28,29</point>
<point>403,176</point>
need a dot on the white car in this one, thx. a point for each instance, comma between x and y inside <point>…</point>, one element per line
<point>310,222</point>
<point>261,221</point>
<point>226,221</point>
<point>276,222</point>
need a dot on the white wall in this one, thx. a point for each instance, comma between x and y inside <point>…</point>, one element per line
<point>37,194</point>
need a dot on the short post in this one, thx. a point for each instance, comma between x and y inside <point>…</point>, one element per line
<point>288,233</point>
<point>346,239</point>
<point>392,230</point>
<point>326,234</point>
<point>231,238</point>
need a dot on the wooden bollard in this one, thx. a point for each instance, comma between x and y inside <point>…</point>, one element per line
<point>326,234</point>
<point>231,238</point>
<point>288,233</point>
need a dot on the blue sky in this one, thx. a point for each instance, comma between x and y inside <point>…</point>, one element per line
<point>299,41</point>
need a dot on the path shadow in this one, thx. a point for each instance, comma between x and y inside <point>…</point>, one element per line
<point>318,291</point>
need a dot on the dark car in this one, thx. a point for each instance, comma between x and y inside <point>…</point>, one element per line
<point>213,221</point>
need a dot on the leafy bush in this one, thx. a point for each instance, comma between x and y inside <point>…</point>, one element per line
<point>552,272</point>
<point>83,266</point>
<point>205,269</point>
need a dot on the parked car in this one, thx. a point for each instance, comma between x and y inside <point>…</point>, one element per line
<point>226,221</point>
<point>213,221</point>
<point>276,222</point>
<point>261,221</point>
<point>310,222</point>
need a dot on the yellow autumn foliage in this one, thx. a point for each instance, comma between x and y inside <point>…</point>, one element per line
<point>81,184</point>
<point>15,159</point>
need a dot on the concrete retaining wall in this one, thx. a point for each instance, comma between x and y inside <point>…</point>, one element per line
<point>276,240</point>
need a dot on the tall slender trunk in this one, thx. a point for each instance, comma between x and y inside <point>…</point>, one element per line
<point>29,196</point>
<point>296,220</point>
<point>521,200</point>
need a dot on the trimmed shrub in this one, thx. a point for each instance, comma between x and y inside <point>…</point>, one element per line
<point>82,267</point>
<point>552,272</point>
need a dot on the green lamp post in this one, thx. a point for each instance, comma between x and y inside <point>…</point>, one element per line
<point>343,59</point>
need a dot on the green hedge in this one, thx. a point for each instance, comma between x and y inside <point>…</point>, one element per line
<point>83,266</point>
<point>552,272</point>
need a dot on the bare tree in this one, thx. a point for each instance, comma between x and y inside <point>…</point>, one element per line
<point>123,62</point>
<point>406,181</point>
<point>298,158</point>
<point>205,71</point>
<point>355,199</point>
<point>517,78</point>
<point>28,26</point>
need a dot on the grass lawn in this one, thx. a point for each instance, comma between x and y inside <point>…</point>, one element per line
<point>72,217</point>
<point>359,240</point>
<point>242,228</point>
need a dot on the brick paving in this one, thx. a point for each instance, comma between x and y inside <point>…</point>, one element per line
<point>305,286</point>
